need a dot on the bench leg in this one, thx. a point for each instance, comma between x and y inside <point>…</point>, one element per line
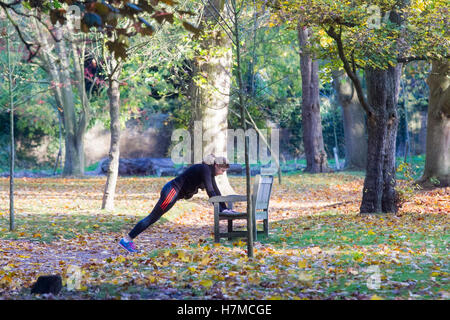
<point>266,227</point>
<point>216,225</point>
<point>230,228</point>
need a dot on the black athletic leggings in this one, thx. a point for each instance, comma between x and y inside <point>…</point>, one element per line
<point>169,195</point>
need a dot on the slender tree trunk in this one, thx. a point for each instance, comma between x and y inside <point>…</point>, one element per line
<point>209,89</point>
<point>58,157</point>
<point>316,157</point>
<point>114,151</point>
<point>12,224</point>
<point>354,124</point>
<point>437,161</point>
<point>250,75</point>
<point>407,136</point>
<point>241,88</point>
<point>379,185</point>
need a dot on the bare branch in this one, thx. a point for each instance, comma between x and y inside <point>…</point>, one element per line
<point>29,46</point>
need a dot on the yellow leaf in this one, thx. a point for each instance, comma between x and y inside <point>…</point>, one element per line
<point>375,297</point>
<point>206,283</point>
<point>6,280</point>
<point>182,256</point>
<point>302,264</point>
<point>120,259</point>
<point>205,261</point>
<point>370,233</point>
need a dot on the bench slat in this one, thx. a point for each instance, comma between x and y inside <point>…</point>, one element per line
<point>230,198</point>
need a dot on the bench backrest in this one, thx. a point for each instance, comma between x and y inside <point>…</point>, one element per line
<point>262,189</point>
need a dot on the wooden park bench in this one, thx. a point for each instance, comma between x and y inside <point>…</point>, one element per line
<point>262,189</point>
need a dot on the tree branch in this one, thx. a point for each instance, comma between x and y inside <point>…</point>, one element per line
<point>348,69</point>
<point>219,20</point>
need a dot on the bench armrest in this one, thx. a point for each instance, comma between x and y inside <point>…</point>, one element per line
<point>230,198</point>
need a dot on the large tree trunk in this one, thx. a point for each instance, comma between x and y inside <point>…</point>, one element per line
<point>354,124</point>
<point>383,86</point>
<point>437,161</point>
<point>210,88</point>
<point>316,158</point>
<point>114,151</point>
<point>379,185</point>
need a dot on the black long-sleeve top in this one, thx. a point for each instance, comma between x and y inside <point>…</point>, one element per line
<point>195,177</point>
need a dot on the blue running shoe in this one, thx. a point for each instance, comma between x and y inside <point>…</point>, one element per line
<point>129,246</point>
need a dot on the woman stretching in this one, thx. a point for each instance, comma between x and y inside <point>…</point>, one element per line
<point>182,187</point>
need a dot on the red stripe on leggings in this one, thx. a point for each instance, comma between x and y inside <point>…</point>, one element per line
<point>168,199</point>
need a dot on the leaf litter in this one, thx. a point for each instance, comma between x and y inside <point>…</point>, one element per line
<point>319,247</point>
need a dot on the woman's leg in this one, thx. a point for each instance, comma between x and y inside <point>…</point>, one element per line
<point>169,195</point>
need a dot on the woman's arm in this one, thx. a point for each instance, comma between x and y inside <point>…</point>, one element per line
<point>210,185</point>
